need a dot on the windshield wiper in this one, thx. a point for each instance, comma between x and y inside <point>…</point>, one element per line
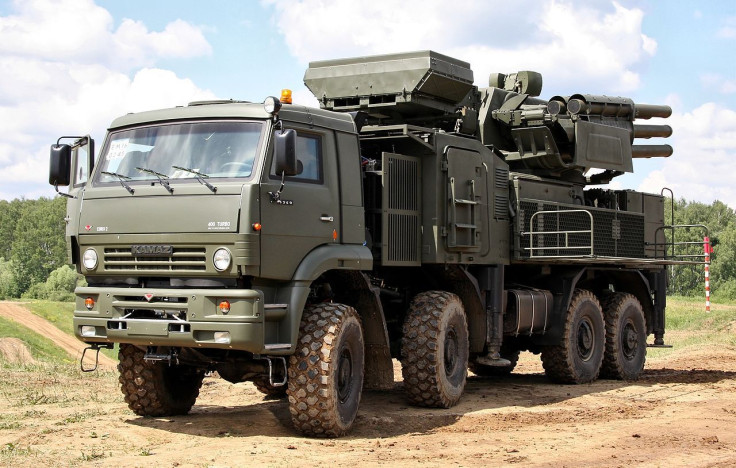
<point>161,178</point>
<point>122,180</point>
<point>200,177</point>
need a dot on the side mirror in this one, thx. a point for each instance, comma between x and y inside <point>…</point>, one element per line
<point>60,165</point>
<point>285,153</point>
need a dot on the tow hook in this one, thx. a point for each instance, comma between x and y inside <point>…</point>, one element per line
<point>152,356</point>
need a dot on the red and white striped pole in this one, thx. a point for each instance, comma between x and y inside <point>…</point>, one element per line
<point>708,250</point>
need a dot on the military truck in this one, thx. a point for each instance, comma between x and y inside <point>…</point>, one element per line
<point>413,216</point>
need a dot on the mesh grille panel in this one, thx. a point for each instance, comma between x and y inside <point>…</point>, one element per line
<point>401,235</point>
<point>615,233</point>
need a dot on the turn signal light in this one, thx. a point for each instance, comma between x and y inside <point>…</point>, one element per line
<point>89,303</point>
<point>286,96</point>
<point>224,307</point>
<point>257,227</point>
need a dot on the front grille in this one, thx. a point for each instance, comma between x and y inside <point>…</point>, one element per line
<point>183,259</point>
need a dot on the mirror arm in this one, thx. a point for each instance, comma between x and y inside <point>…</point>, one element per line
<point>276,196</point>
<point>56,187</point>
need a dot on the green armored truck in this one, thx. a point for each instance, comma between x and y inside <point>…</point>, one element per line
<point>413,216</point>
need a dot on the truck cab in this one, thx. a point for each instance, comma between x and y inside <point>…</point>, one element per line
<point>187,227</point>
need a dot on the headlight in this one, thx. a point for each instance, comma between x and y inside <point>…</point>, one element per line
<point>221,259</point>
<point>89,259</point>
<point>272,105</point>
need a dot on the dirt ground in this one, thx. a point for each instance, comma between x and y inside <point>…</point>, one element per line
<point>681,413</point>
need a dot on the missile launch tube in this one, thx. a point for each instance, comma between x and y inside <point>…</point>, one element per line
<point>647,111</point>
<point>652,131</point>
<point>651,151</point>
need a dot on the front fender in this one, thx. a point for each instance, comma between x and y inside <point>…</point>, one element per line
<point>319,261</point>
<point>333,257</point>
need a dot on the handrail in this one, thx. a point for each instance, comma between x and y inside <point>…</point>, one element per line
<point>532,249</point>
<point>672,246</point>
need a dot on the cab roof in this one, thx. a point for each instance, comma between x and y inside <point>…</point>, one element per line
<point>209,110</point>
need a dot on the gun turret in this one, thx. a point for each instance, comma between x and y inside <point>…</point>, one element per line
<point>562,137</point>
<point>573,133</point>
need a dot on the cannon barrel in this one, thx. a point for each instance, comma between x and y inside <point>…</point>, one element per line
<point>651,151</point>
<point>557,105</point>
<point>615,107</point>
<point>600,105</point>
<point>647,111</point>
<point>652,131</point>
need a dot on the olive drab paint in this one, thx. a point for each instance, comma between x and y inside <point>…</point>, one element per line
<point>412,207</point>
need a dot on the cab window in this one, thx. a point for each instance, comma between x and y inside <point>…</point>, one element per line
<point>309,157</point>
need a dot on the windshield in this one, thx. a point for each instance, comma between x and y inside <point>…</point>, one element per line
<point>181,151</point>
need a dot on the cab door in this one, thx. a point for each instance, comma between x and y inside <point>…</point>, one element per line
<point>306,214</point>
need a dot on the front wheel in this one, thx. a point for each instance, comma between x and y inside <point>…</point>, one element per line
<point>578,358</point>
<point>326,373</point>
<point>434,349</point>
<point>156,388</point>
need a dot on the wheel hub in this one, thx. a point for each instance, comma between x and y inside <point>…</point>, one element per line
<point>586,340</point>
<point>344,373</point>
<point>630,341</point>
<point>451,348</point>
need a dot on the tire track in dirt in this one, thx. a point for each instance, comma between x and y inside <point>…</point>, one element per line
<point>16,312</point>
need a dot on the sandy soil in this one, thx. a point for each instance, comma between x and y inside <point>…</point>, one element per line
<point>15,311</point>
<point>681,413</point>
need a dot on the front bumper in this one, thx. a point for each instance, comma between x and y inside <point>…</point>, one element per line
<point>171,317</point>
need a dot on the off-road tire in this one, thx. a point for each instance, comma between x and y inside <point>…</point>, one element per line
<point>264,386</point>
<point>626,335</point>
<point>326,372</point>
<point>578,358</point>
<point>434,349</point>
<point>511,353</point>
<point>155,388</point>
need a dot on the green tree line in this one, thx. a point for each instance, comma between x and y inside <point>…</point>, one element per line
<point>33,258</point>
<point>720,220</point>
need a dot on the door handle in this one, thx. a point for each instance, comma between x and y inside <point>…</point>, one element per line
<point>327,219</point>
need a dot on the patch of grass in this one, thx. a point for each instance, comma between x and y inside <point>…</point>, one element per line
<point>74,418</point>
<point>688,325</point>
<point>685,313</point>
<point>94,455</point>
<point>58,313</point>
<point>41,348</point>
<point>61,314</point>
<point>11,451</point>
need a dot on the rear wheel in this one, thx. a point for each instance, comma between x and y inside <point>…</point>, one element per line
<point>626,334</point>
<point>156,388</point>
<point>326,373</point>
<point>434,349</point>
<point>578,358</point>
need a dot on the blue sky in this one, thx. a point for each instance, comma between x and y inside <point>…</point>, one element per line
<point>71,66</point>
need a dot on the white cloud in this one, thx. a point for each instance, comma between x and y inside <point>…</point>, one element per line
<point>574,43</point>
<point>82,32</point>
<point>67,71</point>
<point>715,81</point>
<point>728,30</point>
<point>702,166</point>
